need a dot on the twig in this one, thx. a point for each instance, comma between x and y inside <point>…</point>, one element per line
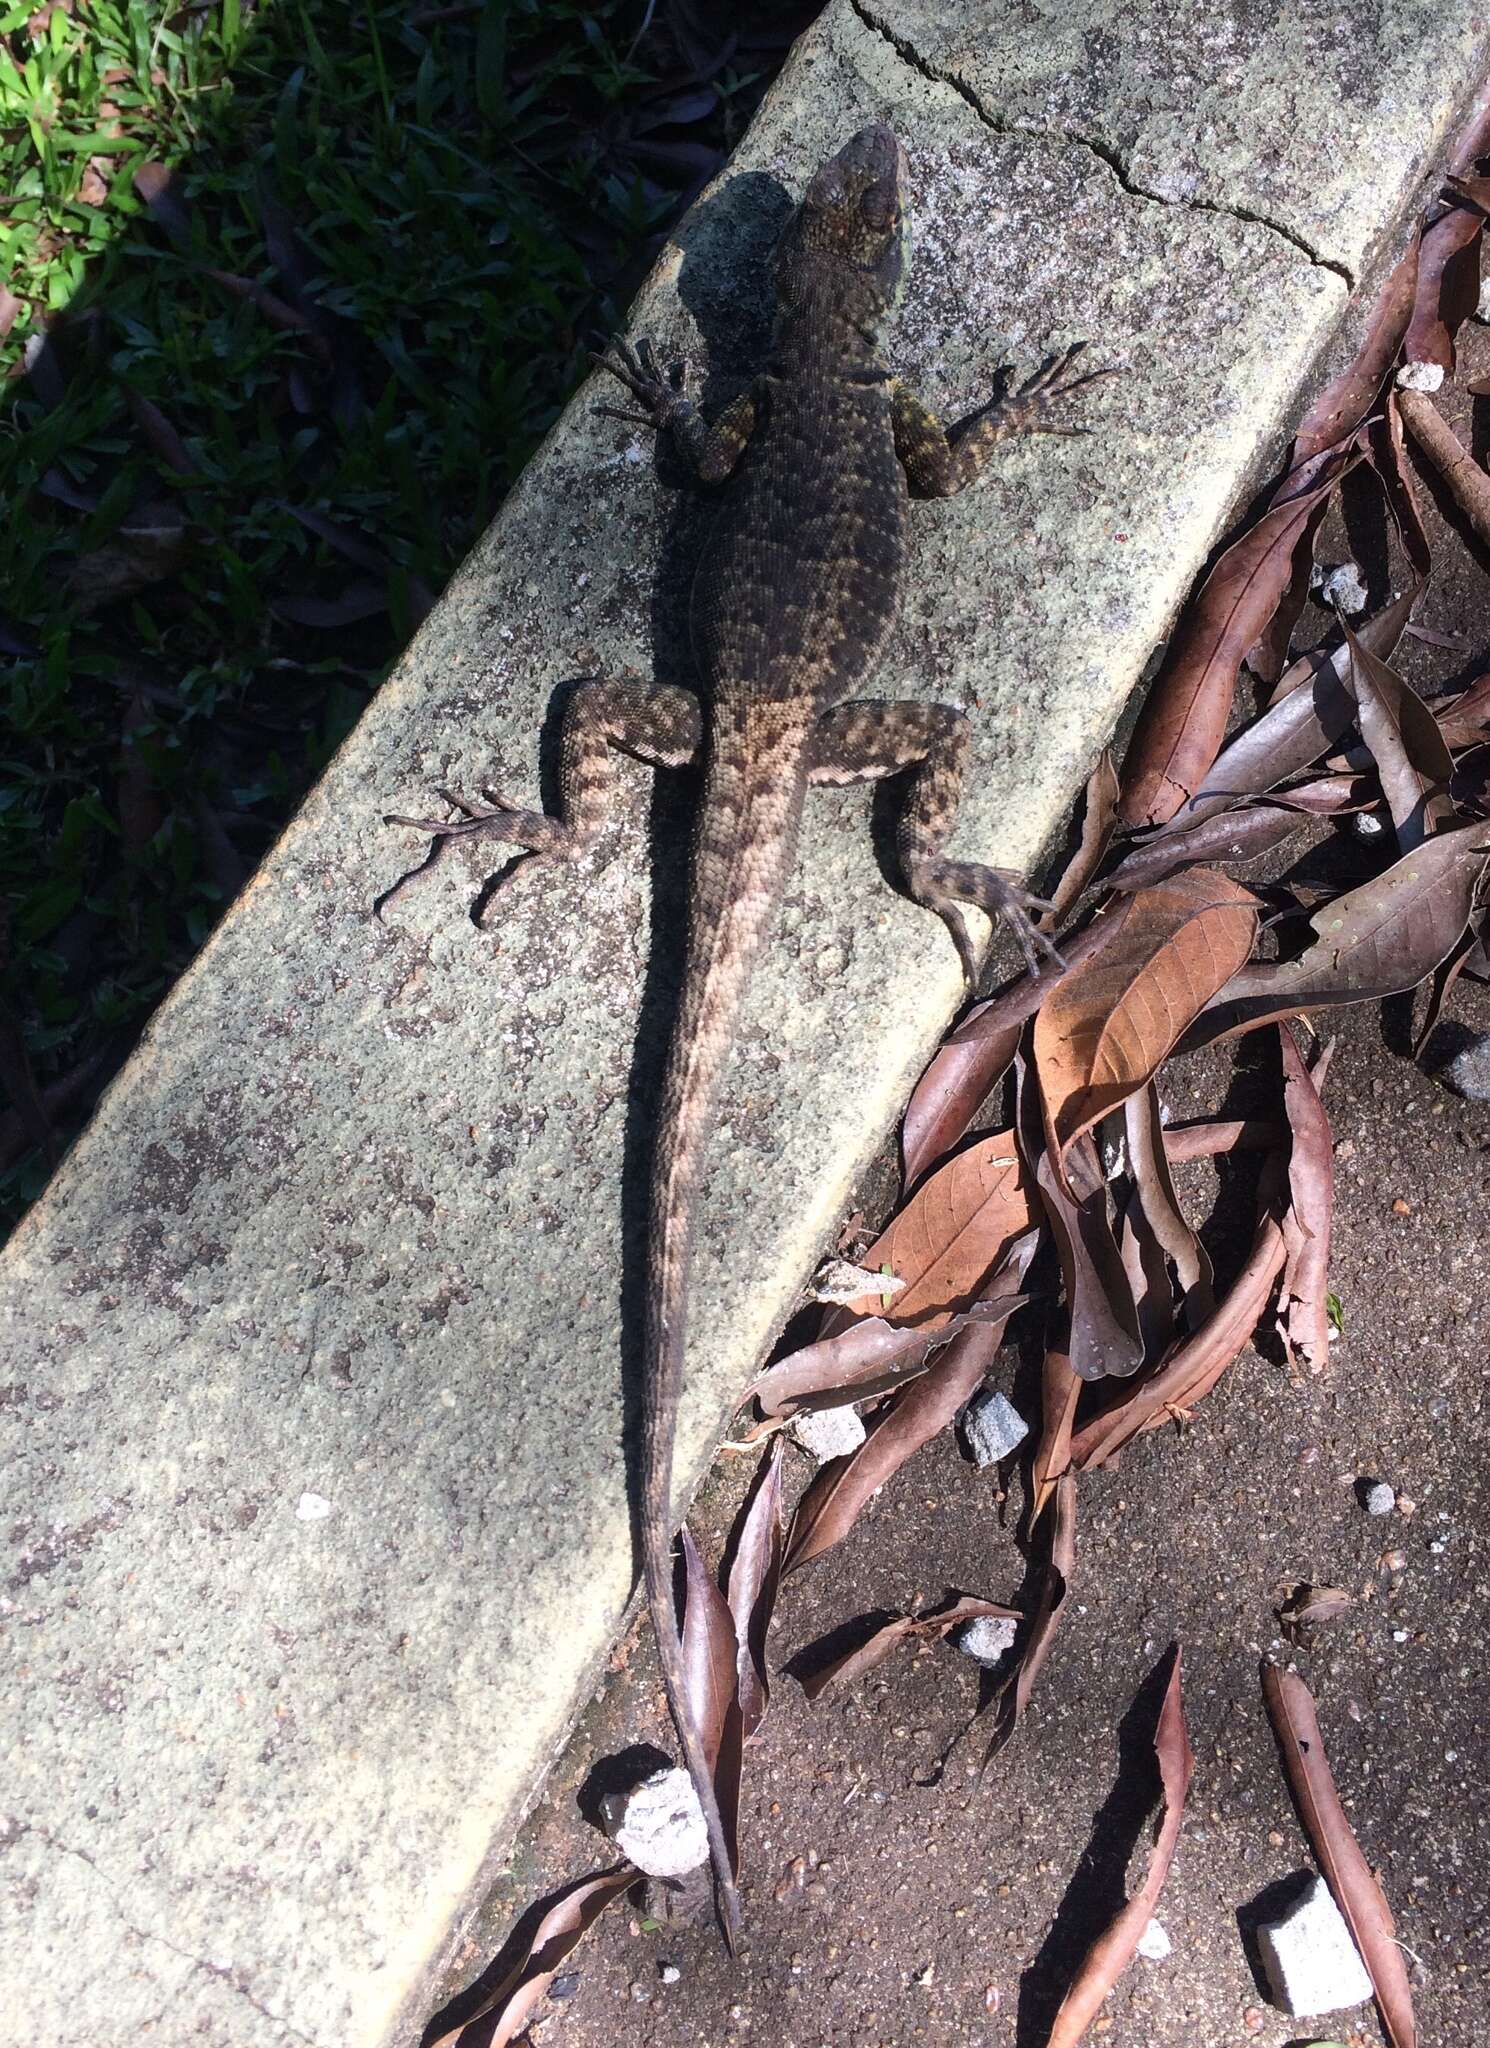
<point>1466,482</point>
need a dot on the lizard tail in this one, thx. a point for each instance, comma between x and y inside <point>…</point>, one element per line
<point>743,850</point>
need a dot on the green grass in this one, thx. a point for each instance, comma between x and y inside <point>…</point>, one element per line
<point>278,393</point>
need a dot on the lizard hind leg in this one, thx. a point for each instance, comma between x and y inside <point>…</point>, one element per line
<point>657,723</point>
<point>871,739</point>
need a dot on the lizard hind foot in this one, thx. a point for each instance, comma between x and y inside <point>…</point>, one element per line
<point>538,840</point>
<point>943,885</point>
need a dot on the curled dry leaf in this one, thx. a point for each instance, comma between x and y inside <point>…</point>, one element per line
<point>1060,1390</point>
<point>1050,1605</point>
<point>962,1075</point>
<point>1193,1370</point>
<point>951,1236</point>
<point>1307,1607</point>
<point>1113,1950</point>
<point>754,1575</point>
<point>1099,818</point>
<point>1104,1031</point>
<point>867,1359</point>
<point>1465,719</point>
<point>836,1497</point>
<point>1377,940</point>
<point>517,1998</point>
<point>1205,1138</point>
<point>1180,729</point>
<point>1156,1216</point>
<point>1410,753</point>
<point>1360,1898</point>
<point>1447,285</point>
<point>1346,400</point>
<point>1245,833</point>
<point>1303,1311</point>
<point>902,1628</point>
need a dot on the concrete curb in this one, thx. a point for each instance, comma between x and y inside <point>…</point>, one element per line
<point>316,1415</point>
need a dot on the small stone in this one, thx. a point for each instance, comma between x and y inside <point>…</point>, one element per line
<point>1343,587</point>
<point>669,1972</point>
<point>1312,1964</point>
<point>1420,376</point>
<point>992,1427</point>
<point>1154,1943</point>
<point>1378,1498</point>
<point>989,1639</point>
<point>659,1824</point>
<point>1468,1072</point>
<point>1401,1208</point>
<point>1482,310</point>
<point>312,1507</point>
<point>829,1432</point>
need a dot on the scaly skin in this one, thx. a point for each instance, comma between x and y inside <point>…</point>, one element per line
<point>792,602</point>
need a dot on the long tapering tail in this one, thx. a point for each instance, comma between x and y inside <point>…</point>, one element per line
<point>743,849</point>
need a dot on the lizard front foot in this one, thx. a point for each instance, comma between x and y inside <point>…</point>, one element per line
<point>657,386</point>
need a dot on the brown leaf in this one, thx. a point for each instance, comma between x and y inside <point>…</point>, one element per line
<point>160,435</point>
<point>1157,1206</point>
<point>868,1358</point>
<point>959,1080</point>
<point>517,1998</point>
<point>1303,1311</point>
<point>902,1628</point>
<point>1191,1372</point>
<point>754,1576</point>
<point>1327,796</point>
<point>1203,1140</point>
<point>277,311</point>
<point>1377,940</point>
<point>1245,833</point>
<point>1360,1898</point>
<point>1309,1607</point>
<point>834,1500</point>
<point>1102,1335</point>
<point>1055,1587</point>
<point>1447,286</point>
<point>950,1237</point>
<point>1411,758</point>
<point>708,1650</point>
<point>1345,401</point>
<point>1105,1029</point>
<point>150,548</point>
<point>1113,1950</point>
<point>1465,719</point>
<point>1098,820</point>
<point>1023,997</point>
<point>1060,1390</point>
<point>1388,459</point>
<point>1180,729</point>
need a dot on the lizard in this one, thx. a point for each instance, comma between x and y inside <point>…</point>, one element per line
<point>792,600</point>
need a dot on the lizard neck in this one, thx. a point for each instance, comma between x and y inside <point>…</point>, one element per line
<point>816,336</point>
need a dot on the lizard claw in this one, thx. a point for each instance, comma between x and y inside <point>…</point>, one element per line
<point>658,386</point>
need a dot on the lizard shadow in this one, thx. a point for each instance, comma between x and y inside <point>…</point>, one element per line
<point>724,282</point>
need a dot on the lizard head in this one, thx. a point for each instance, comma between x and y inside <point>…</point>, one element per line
<point>848,242</point>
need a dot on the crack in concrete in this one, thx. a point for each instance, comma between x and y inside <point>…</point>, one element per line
<point>220,1971</point>
<point>1104,152</point>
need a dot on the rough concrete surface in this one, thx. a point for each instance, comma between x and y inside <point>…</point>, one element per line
<point>314,1404</point>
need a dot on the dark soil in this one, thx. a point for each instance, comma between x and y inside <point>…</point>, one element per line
<point>893,1896</point>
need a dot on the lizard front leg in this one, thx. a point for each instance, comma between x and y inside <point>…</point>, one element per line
<point>940,461</point>
<point>659,724</point>
<point>711,450</point>
<point>870,739</point>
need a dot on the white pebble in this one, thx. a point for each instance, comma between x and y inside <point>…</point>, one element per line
<point>993,1427</point>
<point>829,1432</point>
<point>988,1639</point>
<point>1420,376</point>
<point>1154,1943</point>
<point>1311,1961</point>
<point>1344,588</point>
<point>312,1507</point>
<point>1379,1499</point>
<point>659,1824</point>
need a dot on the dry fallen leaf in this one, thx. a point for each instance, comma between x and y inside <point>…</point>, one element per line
<point>901,1628</point>
<point>517,1998</point>
<point>1113,1950</point>
<point>1180,729</point>
<point>1103,1032</point>
<point>1303,1306</point>
<point>1059,1521</point>
<point>1307,1607</point>
<point>1411,756</point>
<point>1360,1898</point>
